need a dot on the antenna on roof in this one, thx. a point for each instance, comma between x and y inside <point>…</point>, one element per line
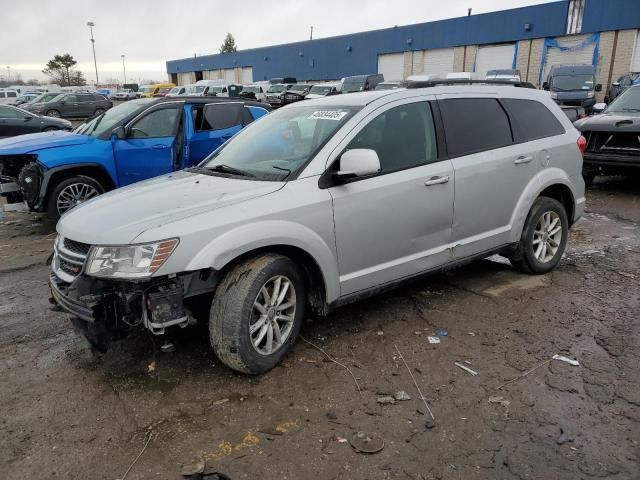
<point>469,12</point>
<point>311,34</point>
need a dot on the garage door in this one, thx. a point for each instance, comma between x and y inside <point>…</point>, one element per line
<point>635,64</point>
<point>247,75</point>
<point>391,66</point>
<point>229,75</point>
<point>573,50</point>
<point>438,62</point>
<point>490,57</point>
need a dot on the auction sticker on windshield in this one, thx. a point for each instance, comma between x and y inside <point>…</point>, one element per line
<point>328,115</point>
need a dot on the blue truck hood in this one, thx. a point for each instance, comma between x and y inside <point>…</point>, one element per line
<point>35,142</point>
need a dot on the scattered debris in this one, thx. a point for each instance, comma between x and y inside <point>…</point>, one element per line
<point>380,333</point>
<point>430,424</point>
<point>341,440</point>
<point>149,437</point>
<point>192,468</point>
<point>433,339</point>
<point>524,374</point>
<point>562,358</point>
<point>366,442</point>
<point>168,347</point>
<point>207,476</point>
<point>386,400</point>
<point>466,369</point>
<point>471,333</point>
<point>442,333</point>
<point>626,274</point>
<point>401,396</point>
<point>500,400</point>
<point>151,367</point>
<point>331,415</point>
<point>219,402</point>
<point>414,382</point>
<point>334,361</point>
<point>565,437</point>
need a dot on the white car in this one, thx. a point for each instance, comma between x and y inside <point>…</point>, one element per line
<point>260,91</point>
<point>177,92</point>
<point>125,94</point>
<point>324,89</point>
<point>8,96</point>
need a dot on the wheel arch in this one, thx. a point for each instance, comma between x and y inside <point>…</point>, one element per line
<point>91,170</point>
<point>553,183</point>
<point>300,243</point>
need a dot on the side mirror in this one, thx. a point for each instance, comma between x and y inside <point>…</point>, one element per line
<point>545,86</point>
<point>616,84</point>
<point>359,162</point>
<point>598,107</point>
<point>119,133</point>
<point>598,87</point>
<point>63,102</point>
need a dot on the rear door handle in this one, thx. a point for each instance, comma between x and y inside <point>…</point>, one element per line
<point>522,159</point>
<point>159,147</point>
<point>436,180</point>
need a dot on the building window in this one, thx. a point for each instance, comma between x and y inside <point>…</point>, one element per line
<point>574,17</point>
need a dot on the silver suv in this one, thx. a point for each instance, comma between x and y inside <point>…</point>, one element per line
<point>318,204</point>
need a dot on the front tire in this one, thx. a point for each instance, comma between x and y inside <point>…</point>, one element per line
<point>257,312</point>
<point>544,238</point>
<point>70,192</point>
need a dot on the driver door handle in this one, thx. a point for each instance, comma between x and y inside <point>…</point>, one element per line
<point>159,147</point>
<point>436,180</point>
<point>522,159</point>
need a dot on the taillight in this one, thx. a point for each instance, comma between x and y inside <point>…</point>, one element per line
<point>582,144</point>
<point>582,115</point>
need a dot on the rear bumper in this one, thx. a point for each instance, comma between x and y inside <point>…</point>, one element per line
<point>608,164</point>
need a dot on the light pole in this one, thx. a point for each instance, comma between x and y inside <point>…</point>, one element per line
<point>124,70</point>
<point>8,73</point>
<point>93,46</point>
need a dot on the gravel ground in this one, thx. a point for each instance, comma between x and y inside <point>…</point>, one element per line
<point>66,414</point>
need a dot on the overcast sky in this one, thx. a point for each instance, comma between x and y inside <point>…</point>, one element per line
<point>151,32</point>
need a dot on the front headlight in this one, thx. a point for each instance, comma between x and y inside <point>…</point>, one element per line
<point>554,95</point>
<point>129,261</point>
<point>591,94</point>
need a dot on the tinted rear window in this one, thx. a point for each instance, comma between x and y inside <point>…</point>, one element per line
<point>474,125</point>
<point>532,120</point>
<point>219,116</point>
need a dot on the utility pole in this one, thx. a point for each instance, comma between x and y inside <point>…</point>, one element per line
<point>93,46</point>
<point>311,35</point>
<point>8,73</point>
<point>124,69</point>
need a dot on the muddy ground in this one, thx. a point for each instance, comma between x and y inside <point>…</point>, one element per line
<point>65,414</point>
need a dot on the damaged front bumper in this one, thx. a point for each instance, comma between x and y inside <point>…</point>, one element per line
<point>22,182</point>
<point>104,310</point>
<point>612,153</point>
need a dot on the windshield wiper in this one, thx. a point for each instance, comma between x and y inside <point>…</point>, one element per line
<point>284,170</point>
<point>222,168</point>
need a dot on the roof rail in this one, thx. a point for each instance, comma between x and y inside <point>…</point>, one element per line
<point>435,83</point>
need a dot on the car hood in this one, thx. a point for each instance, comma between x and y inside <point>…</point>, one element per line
<point>119,217</point>
<point>38,141</point>
<point>610,122</point>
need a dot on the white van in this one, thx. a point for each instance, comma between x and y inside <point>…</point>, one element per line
<point>218,88</point>
<point>8,96</point>
<point>258,89</point>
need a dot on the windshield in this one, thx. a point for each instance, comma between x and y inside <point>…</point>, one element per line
<point>353,85</point>
<point>197,89</point>
<point>299,87</point>
<point>146,89</point>
<point>320,90</point>
<point>568,83</point>
<point>629,101</point>
<point>280,144</point>
<point>251,89</point>
<point>215,89</point>
<point>276,88</point>
<point>175,90</point>
<point>108,120</point>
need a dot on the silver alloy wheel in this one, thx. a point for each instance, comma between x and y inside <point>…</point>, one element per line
<point>73,195</point>
<point>272,316</point>
<point>547,236</point>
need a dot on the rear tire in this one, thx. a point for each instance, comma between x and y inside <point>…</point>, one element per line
<point>234,313</point>
<point>71,192</point>
<point>544,238</point>
<point>53,113</point>
<point>51,129</point>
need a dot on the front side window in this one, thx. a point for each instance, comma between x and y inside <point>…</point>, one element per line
<point>85,98</point>
<point>112,118</point>
<point>403,137</point>
<point>281,144</point>
<point>532,120</point>
<point>474,125</point>
<point>70,98</point>
<point>12,94</point>
<point>158,123</point>
<point>6,112</point>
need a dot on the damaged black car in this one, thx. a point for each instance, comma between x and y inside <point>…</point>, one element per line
<point>613,138</point>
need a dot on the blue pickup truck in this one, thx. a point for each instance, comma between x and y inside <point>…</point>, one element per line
<point>54,171</point>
